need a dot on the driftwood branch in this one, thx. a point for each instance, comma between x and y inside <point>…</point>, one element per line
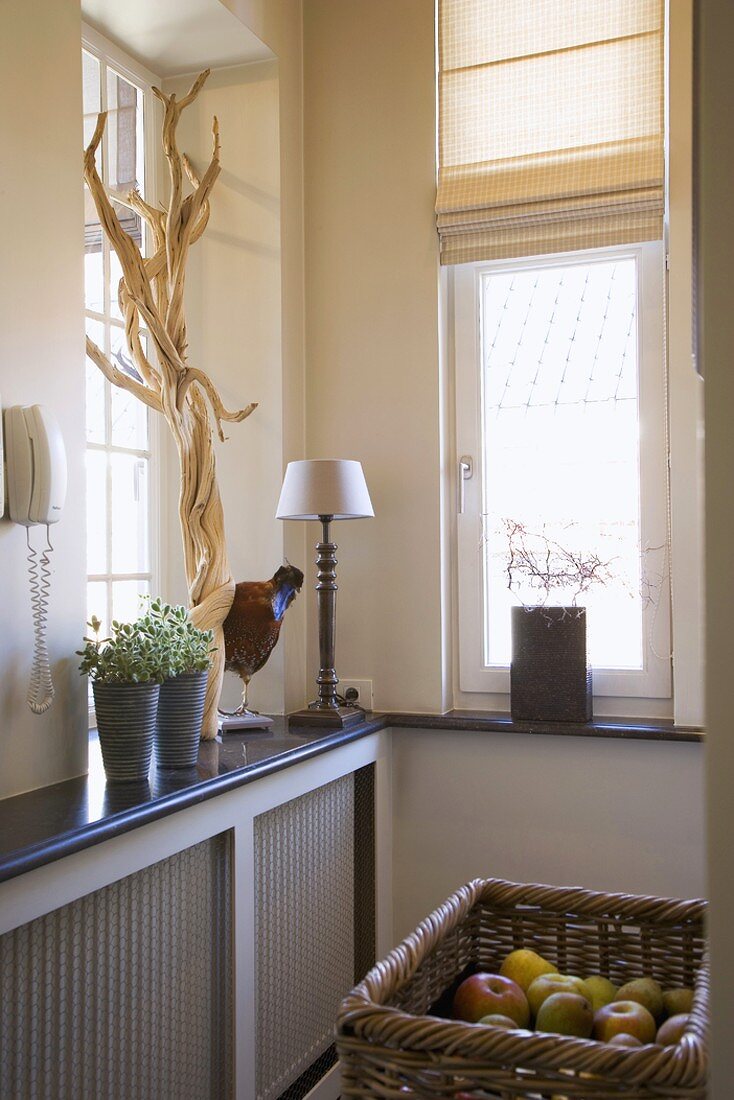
<point>118,377</point>
<point>151,295</point>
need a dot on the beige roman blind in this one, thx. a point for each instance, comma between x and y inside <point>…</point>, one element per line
<point>551,126</point>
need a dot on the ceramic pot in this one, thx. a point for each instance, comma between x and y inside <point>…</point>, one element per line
<point>180,717</point>
<point>126,719</point>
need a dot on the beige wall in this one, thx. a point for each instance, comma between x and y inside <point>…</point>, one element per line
<point>233,308</point>
<point>42,361</point>
<point>608,815</point>
<point>278,23</point>
<point>716,317</point>
<point>372,330</point>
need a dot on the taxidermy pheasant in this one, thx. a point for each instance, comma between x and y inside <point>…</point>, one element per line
<point>253,624</point>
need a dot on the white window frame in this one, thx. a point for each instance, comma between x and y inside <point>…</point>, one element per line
<point>654,680</point>
<point>110,55</point>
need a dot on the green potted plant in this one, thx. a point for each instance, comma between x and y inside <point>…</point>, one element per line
<point>126,673</point>
<point>185,654</point>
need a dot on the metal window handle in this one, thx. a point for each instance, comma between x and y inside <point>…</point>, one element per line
<point>466,470</point>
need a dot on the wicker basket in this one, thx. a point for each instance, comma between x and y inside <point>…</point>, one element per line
<point>390,1047</point>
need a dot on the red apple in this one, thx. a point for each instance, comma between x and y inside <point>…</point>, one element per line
<point>624,1016</point>
<point>490,995</point>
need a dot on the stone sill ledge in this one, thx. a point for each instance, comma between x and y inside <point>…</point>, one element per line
<point>47,824</point>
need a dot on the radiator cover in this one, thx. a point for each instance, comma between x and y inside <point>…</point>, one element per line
<point>125,994</point>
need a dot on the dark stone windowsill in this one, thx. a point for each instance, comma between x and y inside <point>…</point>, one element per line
<point>44,825</point>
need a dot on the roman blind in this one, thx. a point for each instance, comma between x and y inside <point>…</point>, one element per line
<point>551,126</point>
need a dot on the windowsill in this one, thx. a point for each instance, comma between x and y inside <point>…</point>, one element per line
<point>46,824</point>
<point>628,729</point>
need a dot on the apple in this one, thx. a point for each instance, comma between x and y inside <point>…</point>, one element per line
<point>646,992</point>
<point>489,995</point>
<point>676,1001</point>
<point>548,984</point>
<point>622,1039</point>
<point>495,1020</point>
<point>628,1016</point>
<point>601,990</point>
<point>671,1032</point>
<point>566,1014</point>
<point>524,966</point>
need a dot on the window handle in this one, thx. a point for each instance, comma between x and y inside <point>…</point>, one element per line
<point>466,470</point>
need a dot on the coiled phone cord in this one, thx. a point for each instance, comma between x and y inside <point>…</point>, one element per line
<point>40,688</point>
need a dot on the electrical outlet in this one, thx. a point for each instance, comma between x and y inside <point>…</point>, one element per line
<point>363,689</point>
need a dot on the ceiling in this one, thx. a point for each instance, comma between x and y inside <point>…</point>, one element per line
<point>176,36</point>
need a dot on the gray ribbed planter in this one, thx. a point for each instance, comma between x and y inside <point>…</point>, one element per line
<point>126,717</point>
<point>180,716</point>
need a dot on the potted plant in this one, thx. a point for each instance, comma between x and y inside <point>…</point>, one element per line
<point>550,676</point>
<point>185,654</point>
<point>126,672</point>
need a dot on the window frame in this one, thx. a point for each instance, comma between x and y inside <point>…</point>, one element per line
<point>112,57</point>
<point>655,680</point>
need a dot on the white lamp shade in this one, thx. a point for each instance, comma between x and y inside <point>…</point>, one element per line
<point>324,487</point>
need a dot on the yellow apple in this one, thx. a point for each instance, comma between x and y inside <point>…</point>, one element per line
<point>566,1014</point>
<point>489,995</point>
<point>496,1020</point>
<point>622,1039</point>
<point>548,984</point>
<point>646,992</point>
<point>629,1017</point>
<point>671,1032</point>
<point>676,1001</point>
<point>602,991</point>
<point>524,966</point>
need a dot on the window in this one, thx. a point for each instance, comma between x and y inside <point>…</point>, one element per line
<point>119,453</point>
<point>560,399</point>
<point>564,210</point>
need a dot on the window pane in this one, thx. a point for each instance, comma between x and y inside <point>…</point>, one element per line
<point>115,276</point>
<point>95,400</point>
<point>97,605</point>
<point>126,599</point>
<point>124,126</point>
<point>129,416</point>
<point>129,514</point>
<point>96,511</point>
<point>561,451</point>
<point>91,99</point>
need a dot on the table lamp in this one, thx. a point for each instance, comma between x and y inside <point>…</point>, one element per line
<point>325,490</point>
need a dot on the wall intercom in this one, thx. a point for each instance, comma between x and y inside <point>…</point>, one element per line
<point>36,491</point>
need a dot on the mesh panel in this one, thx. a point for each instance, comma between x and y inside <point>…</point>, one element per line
<point>314,859</point>
<point>126,993</point>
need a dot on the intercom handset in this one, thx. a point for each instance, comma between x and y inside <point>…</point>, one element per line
<point>36,474</point>
<point>36,465</point>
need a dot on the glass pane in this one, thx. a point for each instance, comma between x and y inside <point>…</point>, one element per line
<point>129,514</point>
<point>124,129</point>
<point>91,100</point>
<point>94,278</point>
<point>126,599</point>
<point>115,276</point>
<point>96,512</point>
<point>97,605</point>
<point>95,401</point>
<point>93,262</point>
<point>129,416</point>
<point>561,452</point>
